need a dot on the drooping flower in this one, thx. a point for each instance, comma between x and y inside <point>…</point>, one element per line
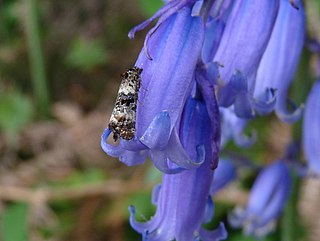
<point>311,129</point>
<point>279,61</point>
<point>257,63</point>
<point>182,201</point>
<point>242,44</point>
<point>241,47</point>
<point>167,79</point>
<point>267,198</point>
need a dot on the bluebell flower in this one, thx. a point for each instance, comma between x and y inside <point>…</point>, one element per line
<point>247,55</point>
<point>183,202</point>
<point>311,129</point>
<point>268,196</point>
<point>168,60</point>
<point>244,39</point>
<point>279,61</point>
<point>241,47</point>
<point>177,124</point>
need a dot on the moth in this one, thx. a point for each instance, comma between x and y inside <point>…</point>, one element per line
<point>123,118</point>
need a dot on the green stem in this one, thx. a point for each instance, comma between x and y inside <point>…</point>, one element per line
<point>37,68</point>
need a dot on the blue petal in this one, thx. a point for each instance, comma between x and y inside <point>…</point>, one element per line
<point>157,134</point>
<point>311,129</point>
<point>289,116</point>
<point>215,235</point>
<point>244,40</point>
<point>160,160</point>
<point>196,9</point>
<point>172,71</point>
<point>142,227</point>
<point>214,30</point>
<point>237,85</point>
<point>155,194</point>
<point>267,199</point>
<point>113,151</point>
<point>221,9</point>
<point>243,107</point>
<point>132,158</point>
<point>212,71</point>
<point>260,192</point>
<point>266,103</point>
<point>237,92</point>
<point>176,153</point>
<point>209,211</point>
<point>276,204</point>
<point>282,56</point>
<point>132,145</point>
<point>207,89</point>
<point>161,11</point>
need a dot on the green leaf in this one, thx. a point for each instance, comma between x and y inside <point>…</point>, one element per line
<point>86,54</point>
<point>15,111</point>
<point>149,7</point>
<point>14,222</point>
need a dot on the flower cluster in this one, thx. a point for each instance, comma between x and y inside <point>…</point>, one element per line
<point>208,68</point>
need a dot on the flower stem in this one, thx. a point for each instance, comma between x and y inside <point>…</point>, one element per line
<point>37,67</point>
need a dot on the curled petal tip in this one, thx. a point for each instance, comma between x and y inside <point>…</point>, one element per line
<point>132,33</point>
<point>290,117</point>
<point>157,134</point>
<point>218,234</point>
<point>113,151</point>
<point>160,160</point>
<point>138,226</point>
<point>132,210</point>
<point>176,153</point>
<point>267,104</point>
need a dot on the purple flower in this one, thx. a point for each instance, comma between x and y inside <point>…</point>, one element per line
<point>182,200</point>
<point>257,62</point>
<point>174,45</point>
<point>311,129</point>
<point>267,198</point>
<point>242,44</point>
<point>177,124</point>
<point>279,61</point>
<point>243,41</point>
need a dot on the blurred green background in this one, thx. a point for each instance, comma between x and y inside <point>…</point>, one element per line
<point>60,65</point>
